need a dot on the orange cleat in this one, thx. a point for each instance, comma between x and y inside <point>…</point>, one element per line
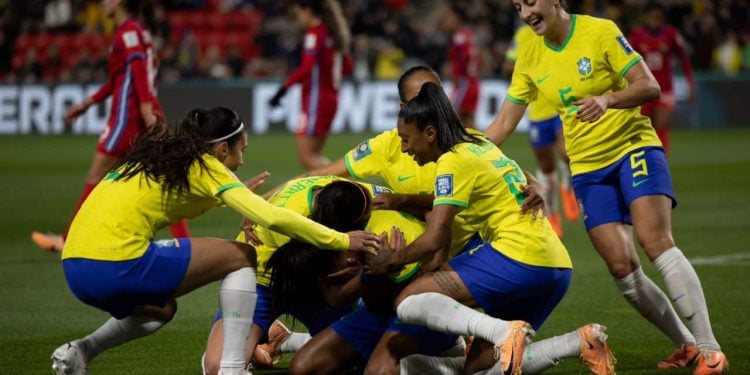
<point>569,203</point>
<point>681,357</point>
<point>264,354</point>
<point>556,222</point>
<point>711,362</point>
<point>509,353</point>
<point>49,242</point>
<point>595,352</point>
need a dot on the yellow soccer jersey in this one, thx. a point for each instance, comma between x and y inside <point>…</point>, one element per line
<point>119,219</point>
<point>382,221</point>
<point>484,185</point>
<point>539,110</point>
<point>591,61</point>
<point>381,156</point>
<point>296,195</point>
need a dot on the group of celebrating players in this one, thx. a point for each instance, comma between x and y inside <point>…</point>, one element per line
<point>387,279</point>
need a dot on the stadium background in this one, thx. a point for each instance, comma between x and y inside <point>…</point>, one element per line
<point>234,52</point>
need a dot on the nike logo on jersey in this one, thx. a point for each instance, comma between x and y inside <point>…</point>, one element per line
<point>404,178</point>
<point>540,80</point>
<point>636,184</point>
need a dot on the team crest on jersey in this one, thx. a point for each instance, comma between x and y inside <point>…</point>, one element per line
<point>584,66</point>
<point>624,44</point>
<point>444,185</point>
<point>362,150</point>
<point>130,38</point>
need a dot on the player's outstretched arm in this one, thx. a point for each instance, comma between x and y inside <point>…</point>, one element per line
<point>505,122</point>
<point>337,168</point>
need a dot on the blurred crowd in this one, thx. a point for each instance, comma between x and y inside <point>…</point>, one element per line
<point>388,35</point>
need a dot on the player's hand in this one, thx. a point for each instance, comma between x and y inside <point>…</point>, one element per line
<point>74,111</point>
<point>255,182</point>
<point>398,240</point>
<point>534,201</point>
<point>381,262</point>
<point>364,241</point>
<point>276,100</point>
<point>385,201</point>
<point>248,228</point>
<point>591,109</point>
<point>353,268</point>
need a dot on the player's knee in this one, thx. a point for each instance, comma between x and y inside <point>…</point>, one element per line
<point>655,243</point>
<point>247,255</point>
<point>381,368</point>
<point>620,269</point>
<point>302,366</point>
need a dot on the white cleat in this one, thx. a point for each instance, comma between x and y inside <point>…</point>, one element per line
<point>69,359</point>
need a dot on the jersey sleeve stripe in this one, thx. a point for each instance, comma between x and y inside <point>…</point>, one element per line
<point>137,55</point>
<point>438,202</point>
<point>349,167</point>
<point>513,99</point>
<point>627,67</point>
<point>226,187</point>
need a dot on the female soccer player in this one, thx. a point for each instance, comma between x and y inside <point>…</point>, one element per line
<point>464,64</point>
<point>131,83</point>
<point>336,203</point>
<point>589,71</point>
<point>112,263</point>
<point>521,271</point>
<point>658,42</point>
<point>325,46</point>
<point>545,136</point>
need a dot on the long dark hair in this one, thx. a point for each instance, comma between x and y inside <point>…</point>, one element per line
<point>333,16</point>
<point>166,152</point>
<point>407,76</point>
<point>296,268</point>
<point>143,9</point>
<point>432,107</point>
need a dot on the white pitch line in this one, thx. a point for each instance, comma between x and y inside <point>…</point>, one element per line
<point>738,259</point>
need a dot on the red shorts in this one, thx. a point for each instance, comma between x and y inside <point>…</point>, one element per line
<point>465,95</point>
<point>666,101</point>
<point>118,137</point>
<point>316,121</point>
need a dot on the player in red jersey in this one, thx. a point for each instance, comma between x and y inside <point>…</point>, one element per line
<point>464,65</point>
<point>657,42</point>
<point>131,83</point>
<point>325,47</point>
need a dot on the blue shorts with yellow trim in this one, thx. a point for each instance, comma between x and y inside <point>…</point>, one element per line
<point>508,289</point>
<point>118,287</point>
<point>605,195</point>
<point>315,318</point>
<point>362,329</point>
<point>544,133</point>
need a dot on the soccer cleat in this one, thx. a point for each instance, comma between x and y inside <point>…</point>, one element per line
<point>711,362</point>
<point>69,359</point>
<point>264,353</point>
<point>681,357</point>
<point>50,242</point>
<point>554,220</point>
<point>569,203</point>
<point>595,352</point>
<point>509,353</point>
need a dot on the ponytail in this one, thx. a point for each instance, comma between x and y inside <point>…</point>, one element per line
<point>166,152</point>
<point>144,10</point>
<point>333,16</point>
<point>432,107</point>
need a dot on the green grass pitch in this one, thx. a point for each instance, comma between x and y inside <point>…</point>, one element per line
<point>41,178</point>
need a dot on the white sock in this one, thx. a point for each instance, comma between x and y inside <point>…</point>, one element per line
<point>294,342</point>
<point>564,173</point>
<point>444,314</point>
<point>551,190</point>
<point>686,291</point>
<point>544,354</point>
<point>417,364</point>
<point>654,305</point>
<point>237,298</point>
<point>116,332</point>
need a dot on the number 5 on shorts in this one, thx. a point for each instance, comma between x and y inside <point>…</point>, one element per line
<point>638,164</point>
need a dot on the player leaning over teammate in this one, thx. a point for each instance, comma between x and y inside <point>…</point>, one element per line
<point>587,69</point>
<point>325,58</point>
<point>173,172</point>
<point>518,275</point>
<point>131,83</point>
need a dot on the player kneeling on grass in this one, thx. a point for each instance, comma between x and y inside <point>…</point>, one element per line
<point>518,275</point>
<point>173,172</point>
